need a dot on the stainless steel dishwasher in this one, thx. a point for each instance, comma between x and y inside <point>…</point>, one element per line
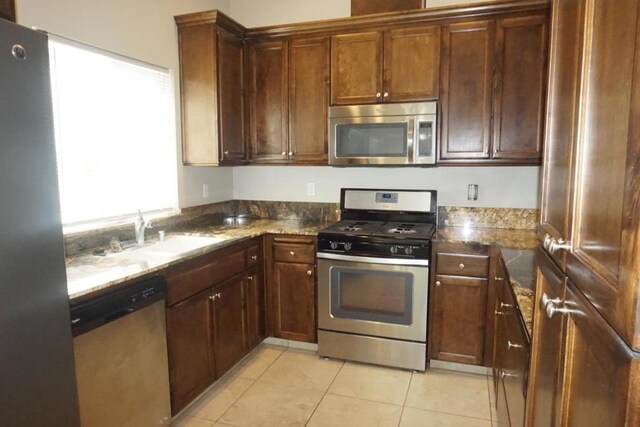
<point>120,353</point>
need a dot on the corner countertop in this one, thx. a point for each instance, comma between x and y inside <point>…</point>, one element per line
<point>517,248</point>
<point>88,273</point>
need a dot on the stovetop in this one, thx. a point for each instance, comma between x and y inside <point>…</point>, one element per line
<point>381,229</point>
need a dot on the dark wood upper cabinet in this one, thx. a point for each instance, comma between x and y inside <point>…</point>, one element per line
<point>392,66</point>
<point>356,68</point>
<point>268,101</point>
<point>567,36</point>
<point>367,7</point>
<point>466,90</point>
<point>231,98</point>
<point>211,83</point>
<point>8,10</point>
<point>308,100</point>
<point>520,93</point>
<point>411,64</point>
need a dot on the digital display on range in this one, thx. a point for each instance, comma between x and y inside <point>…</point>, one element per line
<point>386,197</point>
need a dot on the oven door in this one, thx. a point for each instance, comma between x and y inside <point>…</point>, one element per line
<point>371,296</point>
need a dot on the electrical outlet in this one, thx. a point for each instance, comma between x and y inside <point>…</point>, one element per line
<point>205,191</point>
<point>311,189</point>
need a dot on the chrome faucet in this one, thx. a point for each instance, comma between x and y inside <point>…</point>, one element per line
<point>140,225</point>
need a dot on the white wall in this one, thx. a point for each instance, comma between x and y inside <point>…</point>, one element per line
<point>504,187</point>
<point>142,29</point>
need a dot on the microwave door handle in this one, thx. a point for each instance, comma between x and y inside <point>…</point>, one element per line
<point>411,140</point>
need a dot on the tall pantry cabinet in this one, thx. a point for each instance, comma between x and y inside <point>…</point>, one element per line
<point>586,360</point>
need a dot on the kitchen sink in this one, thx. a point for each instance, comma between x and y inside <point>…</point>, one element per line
<point>170,247</point>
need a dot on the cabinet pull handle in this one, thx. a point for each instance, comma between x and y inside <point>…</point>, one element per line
<point>558,245</point>
<point>461,265</point>
<point>511,345</point>
<point>292,253</point>
<point>552,309</point>
<point>254,257</point>
<point>438,283</point>
<point>503,374</point>
<point>309,272</point>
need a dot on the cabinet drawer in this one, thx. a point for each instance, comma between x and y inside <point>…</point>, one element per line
<point>462,264</point>
<point>189,278</point>
<point>293,252</point>
<point>252,256</point>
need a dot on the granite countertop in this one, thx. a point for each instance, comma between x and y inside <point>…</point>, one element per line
<point>91,273</point>
<point>517,248</point>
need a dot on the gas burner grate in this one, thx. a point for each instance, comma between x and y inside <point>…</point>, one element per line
<point>356,226</point>
<point>403,229</point>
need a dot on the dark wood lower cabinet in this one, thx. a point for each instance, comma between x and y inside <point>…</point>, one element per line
<point>458,329</point>
<point>189,341</point>
<point>229,323</point>
<point>214,327</point>
<point>8,10</point>
<point>294,301</point>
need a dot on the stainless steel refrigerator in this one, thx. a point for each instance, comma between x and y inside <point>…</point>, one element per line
<point>37,379</point>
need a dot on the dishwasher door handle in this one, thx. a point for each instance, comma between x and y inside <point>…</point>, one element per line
<point>118,314</point>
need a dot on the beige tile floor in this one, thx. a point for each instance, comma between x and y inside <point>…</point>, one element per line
<point>277,386</point>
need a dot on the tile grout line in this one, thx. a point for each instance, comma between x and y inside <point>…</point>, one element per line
<point>406,396</point>
<point>490,404</point>
<point>327,390</point>
<point>251,386</point>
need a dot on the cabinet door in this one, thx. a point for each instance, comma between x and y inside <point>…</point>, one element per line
<point>294,301</point>
<point>544,394</point>
<point>189,345</point>
<point>600,382</point>
<point>229,328</point>
<point>197,46</point>
<point>231,98</point>
<point>519,98</point>
<point>411,64</point>
<point>567,24</point>
<point>268,103</point>
<point>458,319</point>
<point>356,68</point>
<point>603,261</point>
<point>8,10</point>
<point>256,326</point>
<point>467,78</point>
<point>308,100</point>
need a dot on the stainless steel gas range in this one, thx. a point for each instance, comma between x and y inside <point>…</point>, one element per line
<point>373,276</point>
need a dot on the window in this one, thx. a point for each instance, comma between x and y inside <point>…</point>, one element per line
<point>115,134</point>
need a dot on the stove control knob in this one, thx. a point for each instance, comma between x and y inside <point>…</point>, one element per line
<point>347,246</point>
<point>394,249</point>
<point>334,245</point>
<point>408,250</point>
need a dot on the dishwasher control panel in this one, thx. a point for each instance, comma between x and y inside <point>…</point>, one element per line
<point>105,308</point>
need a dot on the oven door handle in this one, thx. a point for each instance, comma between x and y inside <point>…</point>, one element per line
<point>387,261</point>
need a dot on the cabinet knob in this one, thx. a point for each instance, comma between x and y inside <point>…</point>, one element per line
<point>378,94</point>
<point>212,297</point>
<point>461,265</point>
<point>292,253</point>
<point>290,153</point>
<point>498,313</point>
<point>386,94</point>
<point>498,279</point>
<point>438,283</point>
<point>254,257</point>
<point>511,345</point>
<point>504,374</point>
<point>226,152</point>
<point>495,151</point>
<point>284,153</point>
<point>552,309</point>
<point>503,305</point>
<point>559,245</point>
<point>309,272</point>
<point>250,278</point>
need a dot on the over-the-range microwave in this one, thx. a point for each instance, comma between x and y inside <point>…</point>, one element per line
<point>383,134</point>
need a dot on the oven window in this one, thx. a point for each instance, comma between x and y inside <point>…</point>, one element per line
<point>371,140</point>
<point>377,296</point>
